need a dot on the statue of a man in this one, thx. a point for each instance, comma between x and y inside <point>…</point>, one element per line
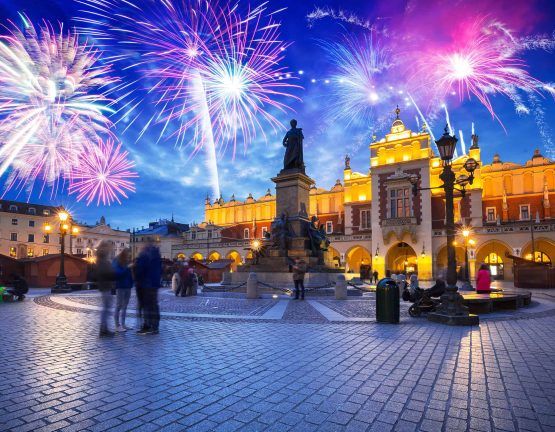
<point>293,142</point>
<point>279,233</point>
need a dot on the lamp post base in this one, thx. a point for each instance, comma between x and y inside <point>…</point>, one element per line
<point>452,311</point>
<point>61,286</point>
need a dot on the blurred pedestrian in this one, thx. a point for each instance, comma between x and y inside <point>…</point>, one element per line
<point>124,283</point>
<point>20,287</point>
<point>176,281</point>
<point>299,270</point>
<point>148,273</point>
<point>104,276</point>
<point>375,274</point>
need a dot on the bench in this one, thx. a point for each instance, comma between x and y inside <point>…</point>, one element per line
<point>478,303</point>
<point>506,300</point>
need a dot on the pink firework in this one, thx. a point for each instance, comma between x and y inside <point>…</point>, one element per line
<point>481,61</point>
<point>104,174</point>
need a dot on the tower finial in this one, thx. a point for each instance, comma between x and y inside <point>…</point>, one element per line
<point>397,112</point>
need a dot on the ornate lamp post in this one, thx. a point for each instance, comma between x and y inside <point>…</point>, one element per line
<point>451,310</point>
<point>66,227</point>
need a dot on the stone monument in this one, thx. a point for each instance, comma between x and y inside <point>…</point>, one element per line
<point>293,234</point>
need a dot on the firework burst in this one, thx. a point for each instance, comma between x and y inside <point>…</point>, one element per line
<point>53,103</point>
<point>214,71</point>
<point>103,175</point>
<point>358,85</point>
<point>482,62</point>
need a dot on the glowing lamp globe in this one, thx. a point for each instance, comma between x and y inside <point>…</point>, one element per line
<point>446,145</point>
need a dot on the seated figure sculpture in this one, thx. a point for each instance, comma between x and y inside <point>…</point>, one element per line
<point>319,241</point>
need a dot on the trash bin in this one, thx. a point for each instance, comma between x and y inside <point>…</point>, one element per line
<point>387,301</point>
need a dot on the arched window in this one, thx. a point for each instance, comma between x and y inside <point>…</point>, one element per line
<point>493,258</point>
<point>539,256</point>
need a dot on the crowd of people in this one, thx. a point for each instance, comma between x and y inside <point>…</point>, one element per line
<point>121,274</point>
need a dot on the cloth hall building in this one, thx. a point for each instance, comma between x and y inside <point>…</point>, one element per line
<point>373,219</point>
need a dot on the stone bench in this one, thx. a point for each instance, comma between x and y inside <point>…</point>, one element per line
<point>506,300</point>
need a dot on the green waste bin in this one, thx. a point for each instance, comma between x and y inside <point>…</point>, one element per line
<point>387,301</point>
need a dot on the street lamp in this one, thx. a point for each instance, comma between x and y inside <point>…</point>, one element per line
<point>451,310</point>
<point>66,227</point>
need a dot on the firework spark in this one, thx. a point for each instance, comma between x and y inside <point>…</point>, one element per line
<point>103,174</point>
<point>358,88</point>
<point>53,103</point>
<point>482,64</point>
<point>215,72</point>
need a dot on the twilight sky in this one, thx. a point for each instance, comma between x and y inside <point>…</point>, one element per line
<point>407,33</point>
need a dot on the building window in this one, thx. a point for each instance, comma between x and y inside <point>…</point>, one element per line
<point>79,240</point>
<point>399,203</point>
<point>246,233</point>
<point>122,244</point>
<point>365,222</point>
<point>264,232</point>
<point>329,227</point>
<point>13,252</point>
<point>525,212</point>
<point>79,251</point>
<point>490,214</point>
<point>31,238</point>
<point>32,211</point>
<point>13,208</point>
<point>46,212</point>
<point>13,236</point>
<point>194,235</point>
<point>44,252</point>
<point>46,238</point>
<point>30,252</point>
<point>31,223</point>
<point>14,221</point>
<point>209,234</point>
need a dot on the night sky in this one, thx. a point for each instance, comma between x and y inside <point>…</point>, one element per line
<point>173,182</point>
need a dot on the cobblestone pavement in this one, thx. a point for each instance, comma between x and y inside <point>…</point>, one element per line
<point>302,374</point>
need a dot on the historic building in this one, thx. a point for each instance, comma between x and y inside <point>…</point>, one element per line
<point>23,232</point>
<point>372,217</point>
<point>163,233</point>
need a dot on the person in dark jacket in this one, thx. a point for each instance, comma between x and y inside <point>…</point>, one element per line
<point>124,283</point>
<point>148,273</point>
<point>20,287</point>
<point>105,277</point>
<point>299,270</point>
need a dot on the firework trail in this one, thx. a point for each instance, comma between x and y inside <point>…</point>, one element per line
<point>339,15</point>
<point>103,174</point>
<point>463,144</point>
<point>214,71</point>
<point>53,103</point>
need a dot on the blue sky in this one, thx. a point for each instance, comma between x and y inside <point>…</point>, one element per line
<point>171,182</point>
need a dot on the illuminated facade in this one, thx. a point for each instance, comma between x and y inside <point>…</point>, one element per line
<point>373,218</point>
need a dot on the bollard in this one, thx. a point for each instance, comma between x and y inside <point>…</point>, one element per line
<point>252,286</point>
<point>341,288</point>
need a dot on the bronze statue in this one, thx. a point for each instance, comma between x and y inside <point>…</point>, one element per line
<point>293,142</point>
<point>319,241</point>
<point>280,232</point>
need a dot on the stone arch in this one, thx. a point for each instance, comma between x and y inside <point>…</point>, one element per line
<point>236,257</point>
<point>528,182</point>
<point>401,257</point>
<point>332,257</point>
<point>441,260</point>
<point>197,256</point>
<point>357,256</point>
<point>541,245</point>
<point>214,256</point>
<point>493,253</point>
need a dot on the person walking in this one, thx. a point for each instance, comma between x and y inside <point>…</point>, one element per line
<point>375,274</point>
<point>124,283</point>
<point>104,276</point>
<point>176,281</point>
<point>483,280</point>
<point>148,272</point>
<point>299,269</point>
